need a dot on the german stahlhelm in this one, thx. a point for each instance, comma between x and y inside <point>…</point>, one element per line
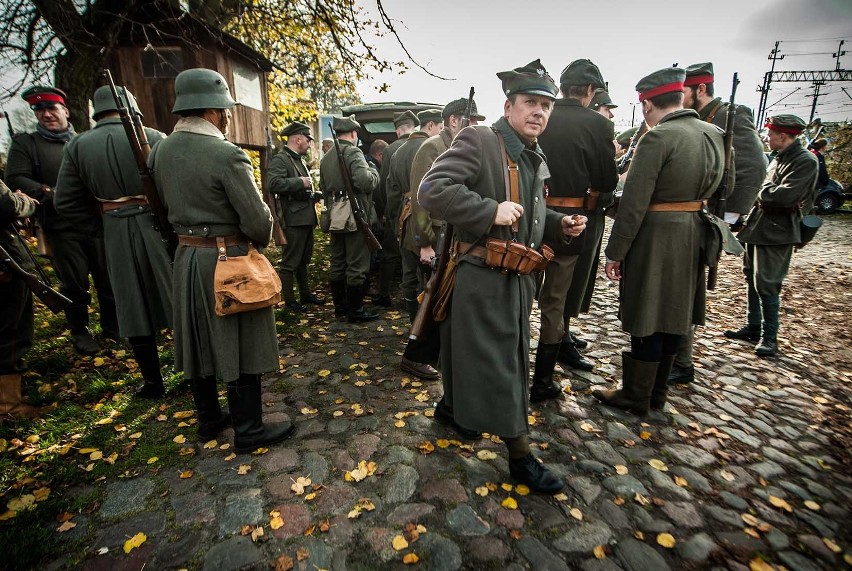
<point>201,88</point>
<point>103,101</point>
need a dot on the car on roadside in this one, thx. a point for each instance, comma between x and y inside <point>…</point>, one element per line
<point>830,197</point>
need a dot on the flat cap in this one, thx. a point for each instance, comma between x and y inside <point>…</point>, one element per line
<point>41,96</point>
<point>582,72</point>
<point>531,78</point>
<point>601,98</point>
<point>405,118</point>
<point>699,73</point>
<point>790,124</point>
<point>427,115</point>
<point>458,107</point>
<point>297,128</point>
<point>345,124</point>
<point>666,80</point>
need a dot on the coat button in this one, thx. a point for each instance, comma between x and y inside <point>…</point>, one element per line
<point>532,244</point>
<point>536,199</point>
<point>190,231</point>
<point>535,221</point>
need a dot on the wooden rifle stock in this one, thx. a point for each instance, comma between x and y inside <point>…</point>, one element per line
<point>357,212</point>
<point>138,140</point>
<point>268,198</point>
<point>722,191</point>
<point>55,301</point>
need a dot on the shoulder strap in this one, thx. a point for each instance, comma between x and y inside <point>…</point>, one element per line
<point>510,176</point>
<point>712,114</point>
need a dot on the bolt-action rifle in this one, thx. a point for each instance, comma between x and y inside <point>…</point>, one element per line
<point>138,140</point>
<point>358,213</point>
<point>721,193</point>
<point>55,301</point>
<point>424,321</point>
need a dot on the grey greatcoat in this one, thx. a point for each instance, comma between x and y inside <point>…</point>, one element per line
<point>207,185</point>
<point>662,284</point>
<point>99,166</point>
<point>485,339</point>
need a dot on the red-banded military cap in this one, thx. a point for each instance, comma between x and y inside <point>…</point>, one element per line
<point>666,80</point>
<point>699,73</point>
<point>790,124</point>
<point>39,96</point>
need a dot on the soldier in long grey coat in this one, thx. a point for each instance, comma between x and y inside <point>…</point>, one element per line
<point>207,185</point>
<point>773,228</point>
<point>485,338</point>
<point>98,190</point>
<point>655,247</point>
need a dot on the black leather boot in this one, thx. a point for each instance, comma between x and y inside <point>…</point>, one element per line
<point>768,344</point>
<point>661,382</point>
<point>338,297</point>
<point>78,322</point>
<point>529,471</point>
<point>355,302</point>
<point>287,282</point>
<point>748,332</point>
<point>211,418</point>
<point>638,379</point>
<point>445,416</point>
<point>246,414</point>
<point>543,386</point>
<point>681,375</point>
<point>145,353</point>
<point>569,355</point>
<point>305,294</point>
<point>411,305</point>
<point>578,343</point>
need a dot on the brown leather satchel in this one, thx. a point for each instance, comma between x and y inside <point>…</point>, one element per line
<point>244,283</point>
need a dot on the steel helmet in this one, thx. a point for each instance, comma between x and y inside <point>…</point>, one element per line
<point>103,100</point>
<point>201,88</point>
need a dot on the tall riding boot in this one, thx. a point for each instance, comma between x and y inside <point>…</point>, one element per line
<point>638,378</point>
<point>355,302</point>
<point>543,386</point>
<point>11,402</point>
<point>661,382</point>
<point>145,352</point>
<point>78,322</point>
<point>768,344</point>
<point>412,305</point>
<point>569,355</point>
<point>287,282</point>
<point>244,400</point>
<point>109,317</point>
<point>305,294</point>
<point>338,297</point>
<point>211,418</point>
<point>751,330</point>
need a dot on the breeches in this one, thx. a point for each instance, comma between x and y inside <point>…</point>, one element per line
<point>554,291</point>
<point>350,258</point>
<point>765,267</point>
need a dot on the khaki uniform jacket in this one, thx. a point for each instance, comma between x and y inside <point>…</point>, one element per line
<point>662,285</point>
<point>294,204</point>
<point>749,159</point>
<point>99,165</point>
<point>207,185</point>
<point>423,230</point>
<point>364,178</point>
<point>790,182</point>
<point>485,339</point>
<point>399,177</point>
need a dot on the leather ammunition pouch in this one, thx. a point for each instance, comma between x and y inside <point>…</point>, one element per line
<point>404,215</point>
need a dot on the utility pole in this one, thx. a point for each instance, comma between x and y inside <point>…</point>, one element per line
<point>764,89</point>
<point>816,97</point>
<point>840,52</point>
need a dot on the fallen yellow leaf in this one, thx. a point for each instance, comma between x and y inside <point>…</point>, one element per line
<point>749,519</point>
<point>812,505</point>
<point>181,414</point>
<point>210,445</point>
<point>577,514</point>
<point>658,465</point>
<point>66,526</point>
<point>758,564</point>
<point>599,552</point>
<point>621,469</point>
<point>644,435</point>
<point>522,490</point>
<point>41,494</point>
<point>831,545</point>
<point>510,503</point>
<point>186,474</point>
<point>681,481</point>
<point>243,469</point>
<point>308,410</point>
<point>230,457</point>
<point>481,491</point>
<point>324,373</point>
<point>134,542</point>
<point>179,439</point>
<point>275,521</point>
<point>779,503</point>
<point>410,559</point>
<point>152,460</point>
<point>399,543</point>
<point>135,435</point>
<point>486,455</point>
<point>666,540</point>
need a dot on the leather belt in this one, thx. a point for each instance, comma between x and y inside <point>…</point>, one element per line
<point>110,205</point>
<point>565,201</point>
<point>778,209</point>
<point>687,206</point>
<point>468,249</point>
<point>210,241</point>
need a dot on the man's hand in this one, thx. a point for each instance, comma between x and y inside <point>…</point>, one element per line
<point>508,213</point>
<point>306,180</point>
<point>27,197</point>
<point>573,225</point>
<point>426,255</point>
<point>613,270</point>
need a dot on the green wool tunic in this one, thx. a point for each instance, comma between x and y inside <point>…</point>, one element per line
<point>207,185</point>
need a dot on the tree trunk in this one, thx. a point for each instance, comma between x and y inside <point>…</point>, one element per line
<point>78,75</point>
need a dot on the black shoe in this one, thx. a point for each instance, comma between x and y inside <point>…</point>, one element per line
<point>578,343</point>
<point>212,419</point>
<point>766,347</point>
<point>151,391</point>
<point>540,392</point>
<point>311,298</point>
<point>383,300</point>
<point>681,375</point>
<point>529,471</point>
<point>444,415</point>
<point>569,356</point>
<point>295,307</point>
<point>745,333</point>
<point>84,343</point>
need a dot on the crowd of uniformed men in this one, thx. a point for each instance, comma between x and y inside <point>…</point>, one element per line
<point>526,194</point>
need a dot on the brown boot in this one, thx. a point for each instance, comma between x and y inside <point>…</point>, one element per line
<point>11,403</point>
<point>637,383</point>
<point>661,383</point>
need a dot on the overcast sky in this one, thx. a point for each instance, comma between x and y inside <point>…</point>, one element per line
<point>471,40</point>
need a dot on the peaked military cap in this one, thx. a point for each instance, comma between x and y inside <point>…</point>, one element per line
<point>582,72</point>
<point>41,96</point>
<point>602,98</point>
<point>666,80</point>
<point>531,78</point>
<point>624,137</point>
<point>458,107</point>
<point>427,115</point>
<point>790,124</point>
<point>345,124</point>
<point>297,128</point>
<point>699,73</point>
<point>406,117</point>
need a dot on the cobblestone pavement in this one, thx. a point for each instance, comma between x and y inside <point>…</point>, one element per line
<point>746,463</point>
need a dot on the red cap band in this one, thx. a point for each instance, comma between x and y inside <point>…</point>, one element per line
<point>45,98</point>
<point>788,130</point>
<point>696,79</point>
<point>660,90</point>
